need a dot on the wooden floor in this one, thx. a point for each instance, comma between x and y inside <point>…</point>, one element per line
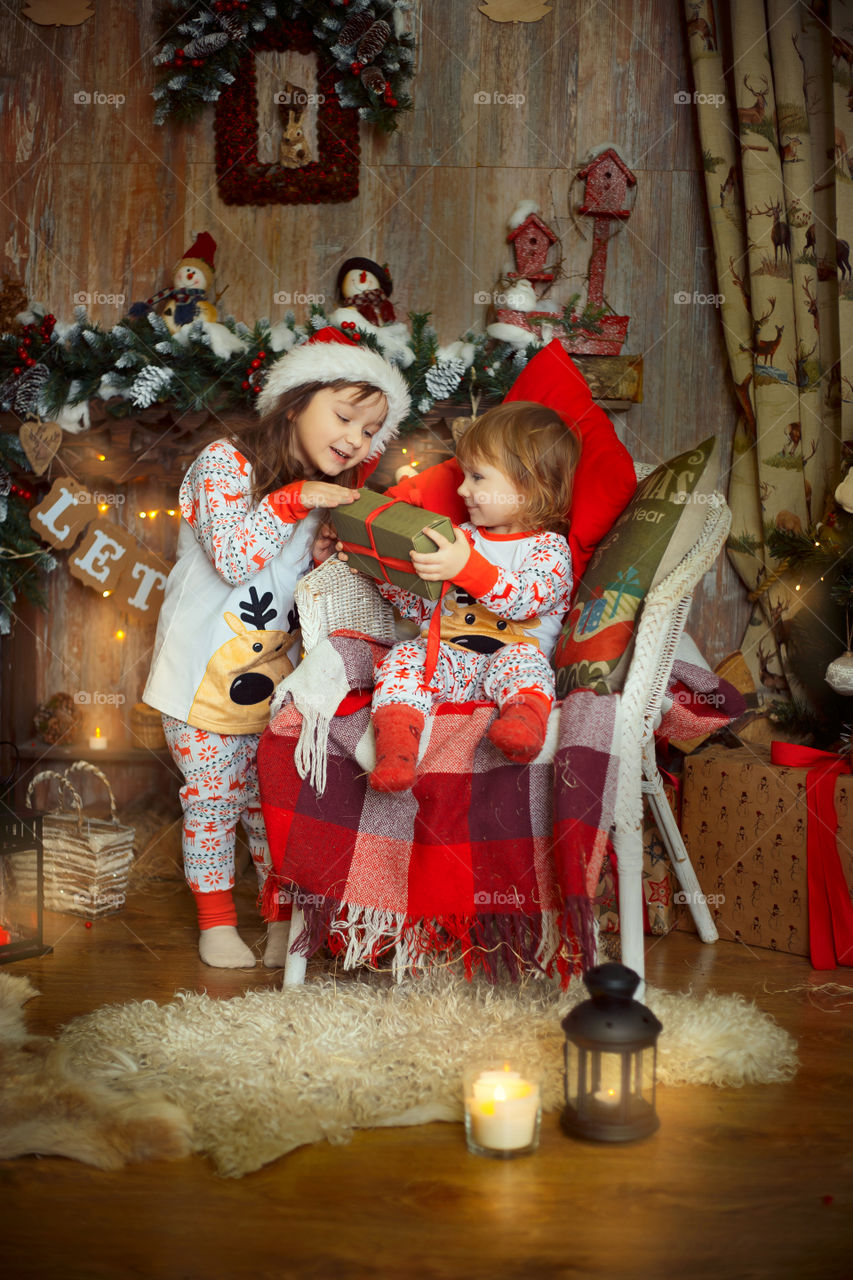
<point>756,1182</point>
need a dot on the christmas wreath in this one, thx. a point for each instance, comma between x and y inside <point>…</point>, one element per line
<point>203,47</point>
<point>332,177</point>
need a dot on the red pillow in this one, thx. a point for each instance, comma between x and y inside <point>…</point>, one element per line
<point>604,481</point>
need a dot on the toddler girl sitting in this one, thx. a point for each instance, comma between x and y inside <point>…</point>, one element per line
<point>492,634</point>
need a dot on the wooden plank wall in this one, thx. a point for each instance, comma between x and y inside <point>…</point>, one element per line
<point>98,200</point>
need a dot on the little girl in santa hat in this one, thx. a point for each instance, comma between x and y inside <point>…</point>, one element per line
<point>251,506</point>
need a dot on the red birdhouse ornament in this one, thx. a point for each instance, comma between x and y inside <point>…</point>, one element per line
<point>531,242</point>
<point>607,181</point>
<point>606,196</point>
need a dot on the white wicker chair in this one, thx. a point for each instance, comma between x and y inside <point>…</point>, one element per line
<point>662,620</point>
<point>324,601</point>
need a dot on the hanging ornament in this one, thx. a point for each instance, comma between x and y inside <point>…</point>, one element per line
<point>58,13</point>
<point>40,441</point>
<point>839,674</point>
<point>515,10</point>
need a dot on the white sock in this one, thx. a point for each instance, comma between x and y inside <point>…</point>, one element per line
<point>278,937</point>
<point>222,948</point>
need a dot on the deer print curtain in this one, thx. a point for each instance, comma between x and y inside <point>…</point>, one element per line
<point>774,100</point>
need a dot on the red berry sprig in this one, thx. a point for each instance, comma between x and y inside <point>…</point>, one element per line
<point>29,334</point>
<point>254,382</point>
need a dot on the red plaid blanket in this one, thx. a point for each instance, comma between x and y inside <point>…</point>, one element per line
<point>494,859</point>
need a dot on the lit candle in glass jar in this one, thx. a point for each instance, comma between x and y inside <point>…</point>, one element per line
<point>502,1110</point>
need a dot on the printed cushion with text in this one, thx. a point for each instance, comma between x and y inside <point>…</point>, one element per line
<point>657,528</point>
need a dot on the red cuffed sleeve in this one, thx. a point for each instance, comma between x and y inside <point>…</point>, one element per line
<point>287,503</point>
<point>478,575</point>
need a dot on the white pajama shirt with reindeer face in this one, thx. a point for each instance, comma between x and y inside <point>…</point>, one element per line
<point>499,625</point>
<point>222,645</point>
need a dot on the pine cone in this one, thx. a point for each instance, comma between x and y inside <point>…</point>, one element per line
<point>231,25</point>
<point>373,80</point>
<point>374,41</point>
<point>358,25</point>
<point>25,389</point>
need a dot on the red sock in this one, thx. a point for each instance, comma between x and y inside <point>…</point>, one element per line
<point>519,732</point>
<point>215,908</point>
<point>397,730</point>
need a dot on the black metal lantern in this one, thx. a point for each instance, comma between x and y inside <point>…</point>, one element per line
<point>610,1058</point>
<point>21,888</point>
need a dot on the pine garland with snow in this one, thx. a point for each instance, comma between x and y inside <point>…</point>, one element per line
<point>23,558</point>
<point>201,47</point>
<point>220,367</point>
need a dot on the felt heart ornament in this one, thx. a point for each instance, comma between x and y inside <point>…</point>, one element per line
<point>40,442</point>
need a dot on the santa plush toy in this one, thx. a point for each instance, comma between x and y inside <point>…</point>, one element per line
<point>365,285</point>
<point>192,281</point>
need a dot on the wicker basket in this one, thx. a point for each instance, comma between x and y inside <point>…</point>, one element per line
<point>146,725</point>
<point>86,860</point>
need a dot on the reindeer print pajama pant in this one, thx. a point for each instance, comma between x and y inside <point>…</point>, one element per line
<point>221,789</point>
<point>461,676</point>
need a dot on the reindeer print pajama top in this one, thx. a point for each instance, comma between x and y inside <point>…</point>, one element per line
<point>499,624</point>
<point>221,648</point>
<point>224,630</point>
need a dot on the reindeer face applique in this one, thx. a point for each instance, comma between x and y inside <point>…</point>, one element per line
<point>241,677</point>
<point>469,625</point>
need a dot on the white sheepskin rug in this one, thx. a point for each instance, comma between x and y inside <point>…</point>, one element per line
<point>270,1070</point>
<point>50,1107</point>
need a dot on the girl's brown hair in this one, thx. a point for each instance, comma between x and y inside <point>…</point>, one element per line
<point>536,452</point>
<point>267,442</point>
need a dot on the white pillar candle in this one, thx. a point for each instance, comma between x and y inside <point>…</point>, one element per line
<point>97,742</point>
<point>503,1109</point>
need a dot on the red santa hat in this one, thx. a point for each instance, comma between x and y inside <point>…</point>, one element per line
<point>200,255</point>
<point>330,356</point>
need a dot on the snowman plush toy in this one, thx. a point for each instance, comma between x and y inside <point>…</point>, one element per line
<point>192,280</point>
<point>365,285</point>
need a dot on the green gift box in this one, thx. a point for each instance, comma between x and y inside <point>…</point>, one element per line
<point>378,533</point>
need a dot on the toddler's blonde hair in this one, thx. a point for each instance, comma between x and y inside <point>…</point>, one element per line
<point>536,451</point>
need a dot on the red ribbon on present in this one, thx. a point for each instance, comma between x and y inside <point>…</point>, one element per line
<point>368,521</point>
<point>387,562</point>
<point>433,640</point>
<point>830,908</point>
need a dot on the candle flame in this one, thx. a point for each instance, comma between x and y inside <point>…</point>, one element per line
<point>97,732</point>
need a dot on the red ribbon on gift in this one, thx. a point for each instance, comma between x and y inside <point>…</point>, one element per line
<point>387,562</point>
<point>830,908</point>
<point>405,565</point>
